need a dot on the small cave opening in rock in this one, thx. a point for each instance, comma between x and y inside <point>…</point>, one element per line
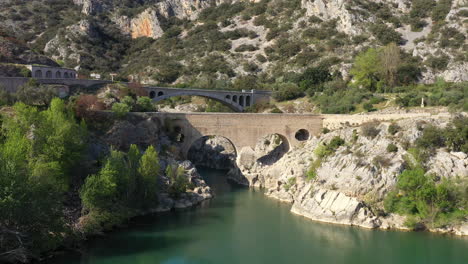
<point>271,148</point>
<point>302,135</point>
<point>214,152</point>
<point>177,134</point>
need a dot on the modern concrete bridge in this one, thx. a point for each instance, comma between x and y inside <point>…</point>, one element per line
<point>242,130</point>
<point>236,100</point>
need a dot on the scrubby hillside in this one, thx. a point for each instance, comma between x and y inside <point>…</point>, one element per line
<point>213,42</point>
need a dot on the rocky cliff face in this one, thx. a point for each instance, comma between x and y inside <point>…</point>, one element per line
<point>348,187</point>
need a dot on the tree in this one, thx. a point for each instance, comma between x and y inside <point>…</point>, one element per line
<point>314,76</point>
<point>390,61</point>
<point>149,171</point>
<point>178,181</point>
<point>120,109</point>
<point>366,69</point>
<point>100,191</point>
<point>144,104</point>
<point>37,153</point>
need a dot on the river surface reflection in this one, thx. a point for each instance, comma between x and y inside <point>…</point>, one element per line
<point>243,226</point>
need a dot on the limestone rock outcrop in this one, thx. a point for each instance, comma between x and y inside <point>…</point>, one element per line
<point>146,24</point>
<point>200,192</point>
<point>124,133</point>
<point>348,187</point>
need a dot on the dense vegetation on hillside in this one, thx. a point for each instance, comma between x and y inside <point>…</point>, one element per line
<point>39,151</point>
<point>271,44</point>
<point>425,198</point>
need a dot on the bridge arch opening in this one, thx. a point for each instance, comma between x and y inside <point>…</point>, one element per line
<point>247,101</point>
<point>302,135</point>
<point>228,97</point>
<point>160,94</point>
<point>241,100</point>
<point>65,75</point>
<point>38,74</point>
<point>234,98</point>
<point>213,151</point>
<point>58,75</point>
<point>274,147</point>
<point>48,74</point>
<point>152,94</point>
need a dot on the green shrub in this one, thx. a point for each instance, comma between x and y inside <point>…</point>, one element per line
<point>432,137</point>
<point>355,136</point>
<point>417,24</point>
<point>392,148</point>
<point>425,202</point>
<point>286,91</point>
<point>441,10</point>
<point>246,47</point>
<point>144,104</point>
<point>438,63</point>
<point>312,171</point>
<point>250,67</point>
<point>291,182</point>
<point>370,130</point>
<point>25,72</point>
<point>385,34</point>
<point>417,157</point>
<point>313,77</point>
<point>6,98</point>
<point>261,58</point>
<point>276,110</point>
<point>456,134</point>
<point>179,181</point>
<point>336,142</point>
<point>368,107</point>
<point>393,129</point>
<point>120,109</point>
<point>322,151</point>
<point>421,8</point>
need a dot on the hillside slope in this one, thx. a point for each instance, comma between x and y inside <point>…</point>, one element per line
<point>213,42</point>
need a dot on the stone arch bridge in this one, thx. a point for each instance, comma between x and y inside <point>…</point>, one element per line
<point>242,130</point>
<point>236,100</point>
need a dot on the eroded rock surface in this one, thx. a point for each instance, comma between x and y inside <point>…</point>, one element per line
<point>349,186</point>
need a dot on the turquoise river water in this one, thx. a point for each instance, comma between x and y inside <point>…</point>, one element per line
<point>240,225</point>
